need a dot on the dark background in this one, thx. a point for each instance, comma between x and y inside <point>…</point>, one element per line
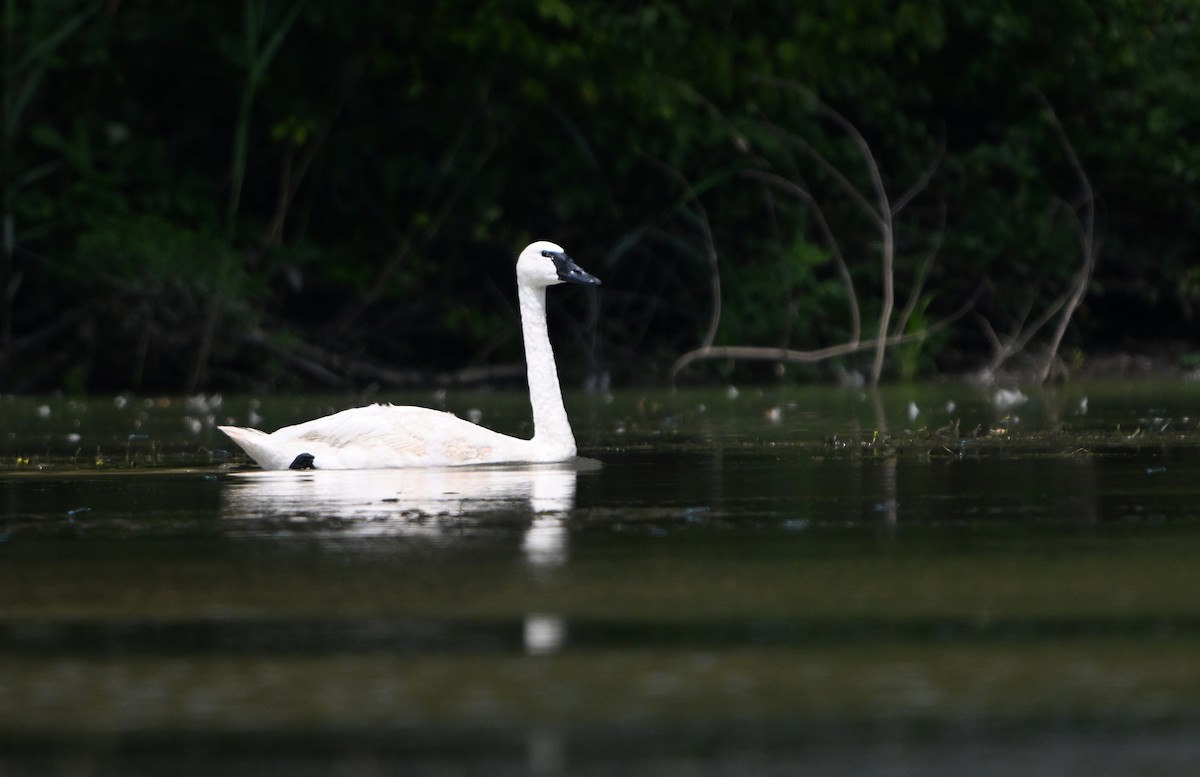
<point>287,195</point>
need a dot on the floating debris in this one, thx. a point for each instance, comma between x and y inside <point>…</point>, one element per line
<point>1006,398</point>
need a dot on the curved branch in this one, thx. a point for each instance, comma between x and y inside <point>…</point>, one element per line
<point>1085,228</point>
<point>754,353</point>
<point>854,194</point>
<point>843,269</point>
<point>882,213</point>
<point>922,182</point>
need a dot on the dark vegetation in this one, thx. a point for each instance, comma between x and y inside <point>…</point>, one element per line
<point>273,194</point>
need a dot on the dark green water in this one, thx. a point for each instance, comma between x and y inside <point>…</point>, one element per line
<point>785,581</point>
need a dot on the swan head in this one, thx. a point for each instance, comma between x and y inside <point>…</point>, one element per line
<point>544,264</point>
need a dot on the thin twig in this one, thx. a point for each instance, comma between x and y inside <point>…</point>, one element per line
<point>1085,228</point>
<point>340,370</point>
<point>882,213</point>
<point>827,234</point>
<point>832,171</point>
<point>922,182</point>
<point>752,353</point>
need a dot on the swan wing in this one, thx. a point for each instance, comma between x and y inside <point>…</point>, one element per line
<point>380,436</point>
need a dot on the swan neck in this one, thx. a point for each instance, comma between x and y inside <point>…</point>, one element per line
<point>550,423</point>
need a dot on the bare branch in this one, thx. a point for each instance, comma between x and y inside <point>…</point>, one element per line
<point>887,260</point>
<point>854,194</point>
<point>922,182</point>
<point>1047,314</point>
<point>882,213</point>
<point>1003,349</point>
<point>863,147</point>
<point>341,370</point>
<point>990,333</point>
<point>1085,228</point>
<point>750,353</point>
<point>830,241</point>
<point>1018,339</point>
<point>739,140</point>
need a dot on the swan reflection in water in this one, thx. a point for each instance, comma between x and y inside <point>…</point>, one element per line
<point>428,502</point>
<point>435,504</point>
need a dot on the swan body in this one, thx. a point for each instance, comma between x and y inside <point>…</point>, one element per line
<point>380,436</point>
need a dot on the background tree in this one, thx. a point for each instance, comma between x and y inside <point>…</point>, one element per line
<point>279,194</point>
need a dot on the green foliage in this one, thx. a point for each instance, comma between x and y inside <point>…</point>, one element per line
<point>916,357</point>
<point>783,300</point>
<point>360,175</point>
<point>151,250</point>
<point>161,289</point>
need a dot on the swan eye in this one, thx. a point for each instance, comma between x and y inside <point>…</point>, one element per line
<point>548,254</point>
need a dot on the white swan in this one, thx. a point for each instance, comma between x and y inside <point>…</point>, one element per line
<point>381,436</point>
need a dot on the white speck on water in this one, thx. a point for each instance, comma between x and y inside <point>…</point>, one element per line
<point>1006,398</point>
<point>43,411</point>
<point>544,634</point>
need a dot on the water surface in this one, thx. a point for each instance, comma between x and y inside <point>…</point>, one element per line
<point>924,580</point>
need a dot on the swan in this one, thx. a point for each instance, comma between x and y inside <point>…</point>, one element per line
<point>383,436</point>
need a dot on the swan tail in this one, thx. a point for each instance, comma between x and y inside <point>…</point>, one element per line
<point>251,441</point>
